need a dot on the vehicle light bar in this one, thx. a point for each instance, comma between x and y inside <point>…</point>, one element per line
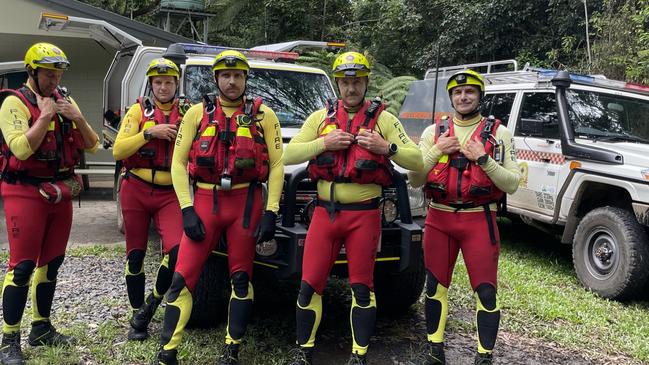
<point>213,50</point>
<point>545,75</point>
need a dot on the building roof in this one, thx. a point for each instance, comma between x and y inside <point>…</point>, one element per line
<point>149,35</point>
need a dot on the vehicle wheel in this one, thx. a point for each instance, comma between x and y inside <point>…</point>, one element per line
<point>211,295</point>
<point>610,253</point>
<point>397,291</point>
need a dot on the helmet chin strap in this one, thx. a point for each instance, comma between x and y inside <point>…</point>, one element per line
<point>34,75</point>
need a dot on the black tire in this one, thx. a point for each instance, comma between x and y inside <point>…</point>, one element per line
<point>397,291</point>
<point>610,253</point>
<point>211,295</point>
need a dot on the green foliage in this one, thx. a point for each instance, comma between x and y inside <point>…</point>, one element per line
<point>382,83</point>
<point>410,36</point>
<point>620,50</point>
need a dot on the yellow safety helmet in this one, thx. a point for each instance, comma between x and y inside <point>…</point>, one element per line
<point>162,67</point>
<point>46,55</point>
<point>230,60</point>
<point>465,77</point>
<point>351,64</point>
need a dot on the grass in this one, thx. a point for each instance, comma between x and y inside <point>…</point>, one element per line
<point>538,292</point>
<point>541,298</point>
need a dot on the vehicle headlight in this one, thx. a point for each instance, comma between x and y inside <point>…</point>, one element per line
<point>307,211</point>
<point>388,209</point>
<point>268,248</point>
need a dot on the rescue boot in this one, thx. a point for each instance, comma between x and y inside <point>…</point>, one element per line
<point>301,356</point>
<point>230,355</point>
<point>141,319</point>
<point>44,334</point>
<point>166,357</point>
<point>357,359</point>
<point>10,352</point>
<point>435,354</point>
<point>483,359</point>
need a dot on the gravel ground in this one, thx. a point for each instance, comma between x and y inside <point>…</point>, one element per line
<point>90,292</point>
<point>91,296</point>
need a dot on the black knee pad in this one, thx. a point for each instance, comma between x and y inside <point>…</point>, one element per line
<point>306,293</point>
<point>361,294</point>
<point>177,285</point>
<point>431,284</point>
<point>23,271</point>
<point>53,267</point>
<point>240,283</point>
<point>487,295</point>
<point>135,260</point>
<point>173,257</point>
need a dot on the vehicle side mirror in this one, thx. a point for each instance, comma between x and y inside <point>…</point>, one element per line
<point>531,127</point>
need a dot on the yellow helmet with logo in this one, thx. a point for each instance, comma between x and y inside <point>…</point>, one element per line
<point>46,55</point>
<point>351,64</point>
<point>465,77</point>
<point>162,67</point>
<point>230,60</point>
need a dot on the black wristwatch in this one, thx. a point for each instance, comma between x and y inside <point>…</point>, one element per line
<point>147,135</point>
<point>482,160</point>
<point>392,149</point>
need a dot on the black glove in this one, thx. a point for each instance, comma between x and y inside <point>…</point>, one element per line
<point>266,228</point>
<point>192,224</point>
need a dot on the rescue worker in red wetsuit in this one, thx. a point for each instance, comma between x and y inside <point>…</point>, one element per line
<point>44,136</point>
<point>145,145</point>
<point>350,145</point>
<point>469,164</point>
<point>228,145</point>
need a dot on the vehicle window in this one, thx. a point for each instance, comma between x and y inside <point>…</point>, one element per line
<point>538,116</point>
<point>610,117</point>
<point>498,105</point>
<point>292,95</point>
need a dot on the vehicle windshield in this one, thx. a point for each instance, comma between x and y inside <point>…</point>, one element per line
<point>292,95</point>
<point>608,117</point>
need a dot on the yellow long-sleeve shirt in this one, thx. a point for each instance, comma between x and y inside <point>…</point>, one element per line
<point>186,133</point>
<point>14,123</point>
<point>307,144</point>
<point>130,139</point>
<point>505,176</point>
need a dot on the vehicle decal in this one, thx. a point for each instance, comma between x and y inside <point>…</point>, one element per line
<point>522,167</point>
<point>547,157</point>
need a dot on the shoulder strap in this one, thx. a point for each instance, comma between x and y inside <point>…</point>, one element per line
<point>373,110</point>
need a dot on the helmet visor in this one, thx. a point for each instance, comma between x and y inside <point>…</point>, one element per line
<point>58,63</point>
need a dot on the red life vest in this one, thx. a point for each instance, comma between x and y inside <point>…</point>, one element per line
<point>458,182</point>
<point>62,146</point>
<point>156,153</point>
<point>231,148</point>
<point>354,164</point>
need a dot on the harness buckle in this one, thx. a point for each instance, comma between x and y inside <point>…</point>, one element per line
<point>226,182</point>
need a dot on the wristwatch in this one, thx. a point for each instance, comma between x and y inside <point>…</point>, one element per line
<point>482,160</point>
<point>147,135</point>
<point>392,149</point>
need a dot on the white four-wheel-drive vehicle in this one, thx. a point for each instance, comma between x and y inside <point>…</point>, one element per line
<point>582,144</point>
<point>293,92</point>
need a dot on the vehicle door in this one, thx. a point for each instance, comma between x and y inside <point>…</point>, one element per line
<point>538,151</point>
